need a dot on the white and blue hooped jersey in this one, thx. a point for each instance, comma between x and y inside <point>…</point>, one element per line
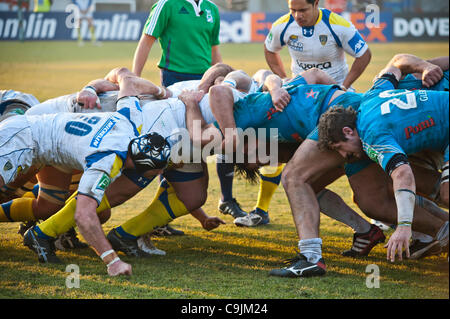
<point>392,122</point>
<point>96,143</point>
<point>322,45</point>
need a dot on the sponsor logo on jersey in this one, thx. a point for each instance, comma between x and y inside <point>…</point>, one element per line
<point>312,94</point>
<point>357,43</point>
<point>308,31</point>
<point>103,182</point>
<point>97,139</point>
<point>270,37</point>
<point>373,154</point>
<point>209,16</point>
<point>415,129</point>
<point>183,10</point>
<point>8,166</point>
<point>323,39</point>
<point>307,66</point>
<point>294,44</point>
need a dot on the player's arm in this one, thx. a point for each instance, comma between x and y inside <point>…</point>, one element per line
<point>358,67</point>
<point>132,85</point>
<point>88,98</point>
<point>90,228</point>
<point>212,74</point>
<point>207,222</point>
<point>221,101</point>
<point>200,132</point>
<point>275,63</point>
<point>402,64</point>
<point>442,62</point>
<point>405,196</point>
<point>280,97</point>
<point>141,54</point>
<point>216,57</point>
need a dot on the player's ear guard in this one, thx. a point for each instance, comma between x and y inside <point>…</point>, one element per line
<point>149,151</point>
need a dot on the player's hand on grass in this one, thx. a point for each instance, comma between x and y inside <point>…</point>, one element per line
<point>398,241</point>
<point>211,223</point>
<point>119,268</point>
<point>431,75</point>
<point>280,98</point>
<point>88,99</point>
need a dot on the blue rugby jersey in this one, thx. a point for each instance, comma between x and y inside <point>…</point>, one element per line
<point>400,121</point>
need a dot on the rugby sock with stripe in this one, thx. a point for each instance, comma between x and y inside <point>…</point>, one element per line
<point>269,181</point>
<point>334,207</point>
<point>164,208</point>
<point>62,221</point>
<point>17,210</point>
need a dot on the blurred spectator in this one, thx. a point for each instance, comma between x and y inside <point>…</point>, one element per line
<point>337,6</point>
<point>87,8</point>
<point>42,5</point>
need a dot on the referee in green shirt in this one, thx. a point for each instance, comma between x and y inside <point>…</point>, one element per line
<point>188,32</point>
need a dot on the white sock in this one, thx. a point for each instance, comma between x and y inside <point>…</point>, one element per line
<point>311,249</point>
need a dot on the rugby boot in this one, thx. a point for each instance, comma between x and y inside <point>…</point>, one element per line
<point>254,218</point>
<point>364,242</point>
<point>231,207</point>
<point>128,246</point>
<point>299,266</point>
<point>44,248</point>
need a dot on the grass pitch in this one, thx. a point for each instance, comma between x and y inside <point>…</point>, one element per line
<point>229,262</point>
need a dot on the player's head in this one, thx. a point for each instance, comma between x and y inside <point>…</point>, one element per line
<point>149,152</point>
<point>337,131</point>
<point>305,12</point>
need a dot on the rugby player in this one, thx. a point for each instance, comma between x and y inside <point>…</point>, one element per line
<point>390,125</point>
<point>99,144</point>
<point>364,241</point>
<point>315,38</point>
<point>309,163</point>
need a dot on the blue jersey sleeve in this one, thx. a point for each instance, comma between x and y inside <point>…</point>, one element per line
<point>381,148</point>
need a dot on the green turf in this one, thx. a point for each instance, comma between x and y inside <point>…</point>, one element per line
<point>229,262</point>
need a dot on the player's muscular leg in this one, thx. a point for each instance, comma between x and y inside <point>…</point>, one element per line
<point>426,181</point>
<point>373,194</point>
<point>306,167</point>
<point>53,191</point>
<point>193,193</point>
<point>121,190</point>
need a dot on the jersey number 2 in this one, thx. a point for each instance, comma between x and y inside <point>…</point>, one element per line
<point>411,102</point>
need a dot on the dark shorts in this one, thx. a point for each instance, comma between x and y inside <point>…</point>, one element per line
<point>170,77</point>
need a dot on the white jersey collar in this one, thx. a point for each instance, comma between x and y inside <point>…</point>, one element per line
<point>196,7</point>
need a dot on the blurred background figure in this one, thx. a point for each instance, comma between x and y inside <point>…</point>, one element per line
<point>42,5</point>
<point>87,8</point>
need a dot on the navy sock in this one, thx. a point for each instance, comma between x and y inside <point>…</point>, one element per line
<point>225,171</point>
